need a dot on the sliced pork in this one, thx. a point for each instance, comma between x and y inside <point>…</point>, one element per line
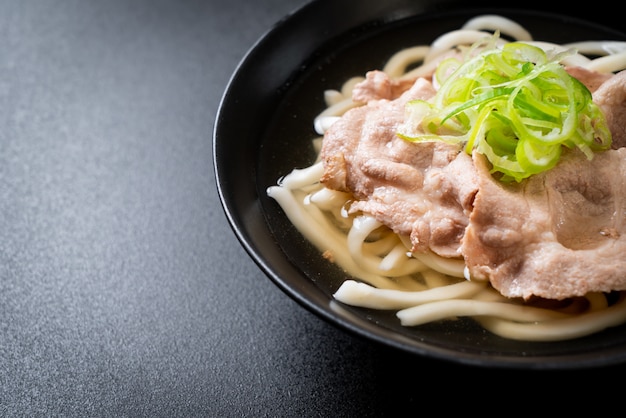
<point>558,234</point>
<point>555,235</point>
<point>415,189</point>
<point>591,79</point>
<point>611,98</point>
<point>378,85</point>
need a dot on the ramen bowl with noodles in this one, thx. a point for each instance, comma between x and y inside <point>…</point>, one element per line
<point>349,265</point>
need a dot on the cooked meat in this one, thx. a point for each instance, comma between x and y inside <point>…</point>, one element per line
<point>559,234</point>
<point>611,98</point>
<point>378,85</point>
<point>609,93</point>
<point>417,189</point>
<point>555,235</point>
<point>591,79</point>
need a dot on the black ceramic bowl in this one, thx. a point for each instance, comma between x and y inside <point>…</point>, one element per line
<point>263,131</point>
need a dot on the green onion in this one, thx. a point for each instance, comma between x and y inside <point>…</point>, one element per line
<point>514,104</point>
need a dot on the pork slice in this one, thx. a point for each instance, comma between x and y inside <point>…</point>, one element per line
<point>611,98</point>
<point>557,235</point>
<point>365,130</point>
<point>422,190</point>
<point>378,85</point>
<point>590,78</point>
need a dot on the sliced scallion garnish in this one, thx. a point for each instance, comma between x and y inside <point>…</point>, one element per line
<point>514,104</point>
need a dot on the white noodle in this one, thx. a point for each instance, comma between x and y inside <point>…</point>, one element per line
<point>398,63</point>
<point>366,296</point>
<point>498,23</point>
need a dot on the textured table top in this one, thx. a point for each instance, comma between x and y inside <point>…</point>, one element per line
<point>123,291</point>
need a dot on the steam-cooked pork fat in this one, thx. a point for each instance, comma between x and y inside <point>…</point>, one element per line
<point>555,235</point>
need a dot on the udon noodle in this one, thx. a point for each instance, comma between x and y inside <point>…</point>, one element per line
<point>423,288</point>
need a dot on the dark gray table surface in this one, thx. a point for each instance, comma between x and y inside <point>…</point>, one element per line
<point>123,291</point>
